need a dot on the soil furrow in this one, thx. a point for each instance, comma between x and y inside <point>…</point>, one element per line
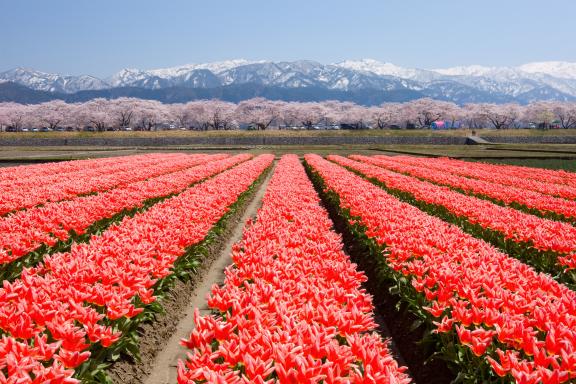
<point>160,347</point>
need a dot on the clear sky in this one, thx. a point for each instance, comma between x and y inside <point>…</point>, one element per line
<point>101,37</point>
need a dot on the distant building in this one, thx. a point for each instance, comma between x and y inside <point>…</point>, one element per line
<point>443,124</point>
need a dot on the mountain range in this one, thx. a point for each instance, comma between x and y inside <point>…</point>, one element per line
<point>365,81</point>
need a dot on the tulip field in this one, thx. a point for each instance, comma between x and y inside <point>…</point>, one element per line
<point>478,259</point>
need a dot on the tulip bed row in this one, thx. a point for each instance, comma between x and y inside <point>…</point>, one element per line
<point>26,236</point>
<point>19,173</point>
<point>495,174</point>
<point>495,317</point>
<point>102,175</point>
<point>21,177</point>
<point>548,245</point>
<point>539,174</point>
<point>292,309</point>
<point>532,202</point>
<point>77,310</point>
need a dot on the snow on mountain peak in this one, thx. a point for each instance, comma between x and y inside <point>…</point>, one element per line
<point>52,82</point>
<point>214,67</point>
<point>376,67</point>
<point>126,75</point>
<point>469,70</point>
<point>561,69</point>
<point>462,83</point>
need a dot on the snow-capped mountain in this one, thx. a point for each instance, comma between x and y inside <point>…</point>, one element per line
<point>525,83</point>
<point>216,68</point>
<point>559,69</point>
<point>389,69</point>
<point>195,78</point>
<point>50,82</point>
<point>529,82</point>
<point>185,75</point>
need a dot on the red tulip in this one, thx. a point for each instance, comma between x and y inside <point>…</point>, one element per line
<point>71,359</point>
<point>520,321</point>
<point>292,308</point>
<point>58,297</point>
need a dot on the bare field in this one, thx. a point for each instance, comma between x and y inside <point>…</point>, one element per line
<point>487,151</point>
<point>297,133</point>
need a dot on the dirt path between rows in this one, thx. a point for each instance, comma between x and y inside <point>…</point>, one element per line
<point>162,368</point>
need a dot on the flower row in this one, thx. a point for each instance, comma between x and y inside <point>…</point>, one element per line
<point>534,201</point>
<point>73,304</point>
<point>292,309</point>
<point>493,174</point>
<point>510,320</point>
<point>26,172</point>
<point>528,230</point>
<point>559,176</point>
<point>24,231</point>
<point>18,178</point>
<point>118,171</point>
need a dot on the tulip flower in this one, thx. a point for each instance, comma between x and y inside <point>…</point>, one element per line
<point>522,322</point>
<point>292,309</point>
<point>78,298</point>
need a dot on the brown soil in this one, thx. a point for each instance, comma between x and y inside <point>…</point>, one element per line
<point>160,347</point>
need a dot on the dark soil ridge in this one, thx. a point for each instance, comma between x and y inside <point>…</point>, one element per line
<point>393,317</point>
<point>153,336</point>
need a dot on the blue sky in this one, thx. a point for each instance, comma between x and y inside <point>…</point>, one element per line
<point>101,37</point>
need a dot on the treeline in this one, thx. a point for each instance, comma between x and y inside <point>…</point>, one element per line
<point>261,114</point>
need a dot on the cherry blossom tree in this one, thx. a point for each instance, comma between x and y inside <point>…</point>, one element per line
<point>385,115</point>
<point>13,115</point>
<point>289,114</point>
<point>220,115</point>
<point>51,114</point>
<point>181,113</point>
<point>264,114</point>
<point>540,113</point>
<point>354,115</point>
<point>96,114</point>
<point>333,112</point>
<point>258,112</point>
<point>565,113</point>
<point>210,114</point>
<point>123,111</point>
<point>474,117</point>
<point>149,114</point>
<point>194,114</point>
<point>426,111</point>
<point>500,116</point>
<point>309,114</point>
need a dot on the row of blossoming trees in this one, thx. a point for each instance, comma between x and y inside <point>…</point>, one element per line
<point>102,114</point>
